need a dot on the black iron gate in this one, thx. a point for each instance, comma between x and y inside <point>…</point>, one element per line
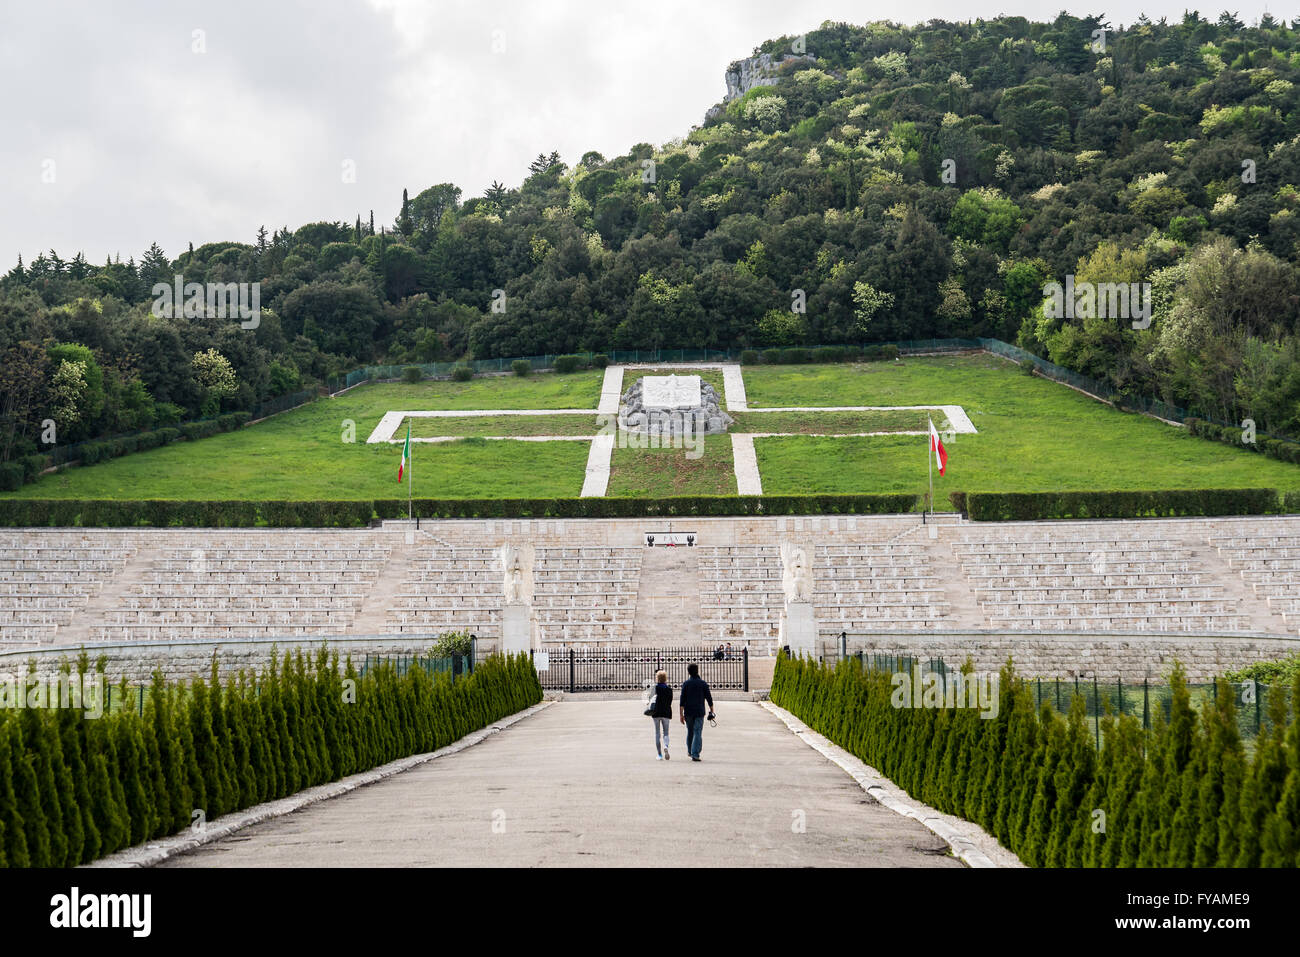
<point>631,669</point>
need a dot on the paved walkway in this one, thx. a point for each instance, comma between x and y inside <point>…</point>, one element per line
<point>578,785</point>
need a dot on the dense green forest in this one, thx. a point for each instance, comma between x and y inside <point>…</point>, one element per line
<point>899,182</point>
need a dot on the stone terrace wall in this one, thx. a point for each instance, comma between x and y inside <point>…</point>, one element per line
<point>136,661</point>
<point>1050,655</point>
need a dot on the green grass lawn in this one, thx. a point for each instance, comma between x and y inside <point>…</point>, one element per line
<point>1034,435</point>
<point>902,420</point>
<point>658,472</point>
<point>499,425</point>
<point>578,390</point>
<point>302,454</point>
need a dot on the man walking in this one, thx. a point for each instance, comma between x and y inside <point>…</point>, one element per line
<point>695,691</point>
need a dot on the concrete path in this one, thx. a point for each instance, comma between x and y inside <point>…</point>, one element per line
<point>578,785</point>
<point>611,390</point>
<point>596,481</point>
<point>733,385</point>
<point>745,463</point>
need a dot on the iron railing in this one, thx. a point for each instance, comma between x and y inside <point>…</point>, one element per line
<point>632,669</point>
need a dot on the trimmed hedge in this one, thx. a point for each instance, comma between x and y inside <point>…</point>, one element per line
<point>686,505</point>
<point>1034,506</point>
<point>521,367</point>
<point>567,364</point>
<point>43,513</point>
<point>1231,435</point>
<point>73,790</point>
<point>1183,794</point>
<point>979,506</point>
<point>161,513</point>
<point>462,373</point>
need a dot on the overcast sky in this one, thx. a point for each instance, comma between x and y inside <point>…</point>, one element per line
<point>121,126</point>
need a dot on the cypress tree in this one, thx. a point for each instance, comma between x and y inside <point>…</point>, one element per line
<point>1123,811</point>
<point>14,836</point>
<point>206,750</point>
<point>107,799</point>
<point>1038,823</point>
<point>192,773</point>
<point>1219,788</point>
<point>1280,843</point>
<point>1072,780</point>
<point>1262,788</point>
<point>154,781</point>
<point>39,738</point>
<point>83,837</point>
<point>176,790</point>
<point>224,749</point>
<point>140,812</point>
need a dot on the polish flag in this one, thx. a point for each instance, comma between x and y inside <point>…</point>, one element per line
<point>936,446</point>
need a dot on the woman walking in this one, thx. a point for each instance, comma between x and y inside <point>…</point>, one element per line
<point>662,715</point>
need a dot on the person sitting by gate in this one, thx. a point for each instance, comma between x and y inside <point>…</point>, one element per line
<point>718,653</point>
<point>662,715</point>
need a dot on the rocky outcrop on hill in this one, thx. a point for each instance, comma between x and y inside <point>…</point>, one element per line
<point>743,75</point>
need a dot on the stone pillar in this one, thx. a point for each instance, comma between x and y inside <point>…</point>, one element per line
<point>516,628</point>
<point>798,629</point>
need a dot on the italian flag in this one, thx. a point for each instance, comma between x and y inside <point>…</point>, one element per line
<point>940,453</point>
<point>406,453</point>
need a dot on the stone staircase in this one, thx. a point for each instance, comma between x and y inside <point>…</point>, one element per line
<point>668,598</point>
<point>83,624</point>
<point>371,618</point>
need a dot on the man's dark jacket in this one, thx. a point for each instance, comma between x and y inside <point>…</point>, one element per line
<point>695,691</point>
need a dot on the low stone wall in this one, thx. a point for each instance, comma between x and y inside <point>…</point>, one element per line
<point>137,660</point>
<point>1130,657</point>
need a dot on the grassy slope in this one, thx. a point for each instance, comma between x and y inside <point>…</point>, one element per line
<point>301,455</point>
<point>1034,435</point>
<point>833,422</point>
<point>501,425</point>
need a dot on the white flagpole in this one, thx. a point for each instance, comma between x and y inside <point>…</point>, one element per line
<point>929,460</point>
<point>410,475</point>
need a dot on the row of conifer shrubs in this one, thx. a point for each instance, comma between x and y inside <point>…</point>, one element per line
<point>61,513</point>
<point>800,355</point>
<point>73,789</point>
<point>1183,793</point>
<point>979,506</point>
<point>1155,503</point>
<point>14,474</point>
<point>1279,449</point>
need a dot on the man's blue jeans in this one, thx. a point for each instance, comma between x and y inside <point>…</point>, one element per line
<point>694,735</point>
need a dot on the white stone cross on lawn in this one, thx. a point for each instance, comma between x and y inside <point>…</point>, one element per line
<point>669,392</point>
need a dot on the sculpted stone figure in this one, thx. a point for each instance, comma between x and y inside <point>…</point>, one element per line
<point>517,567</point>
<point>796,573</point>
